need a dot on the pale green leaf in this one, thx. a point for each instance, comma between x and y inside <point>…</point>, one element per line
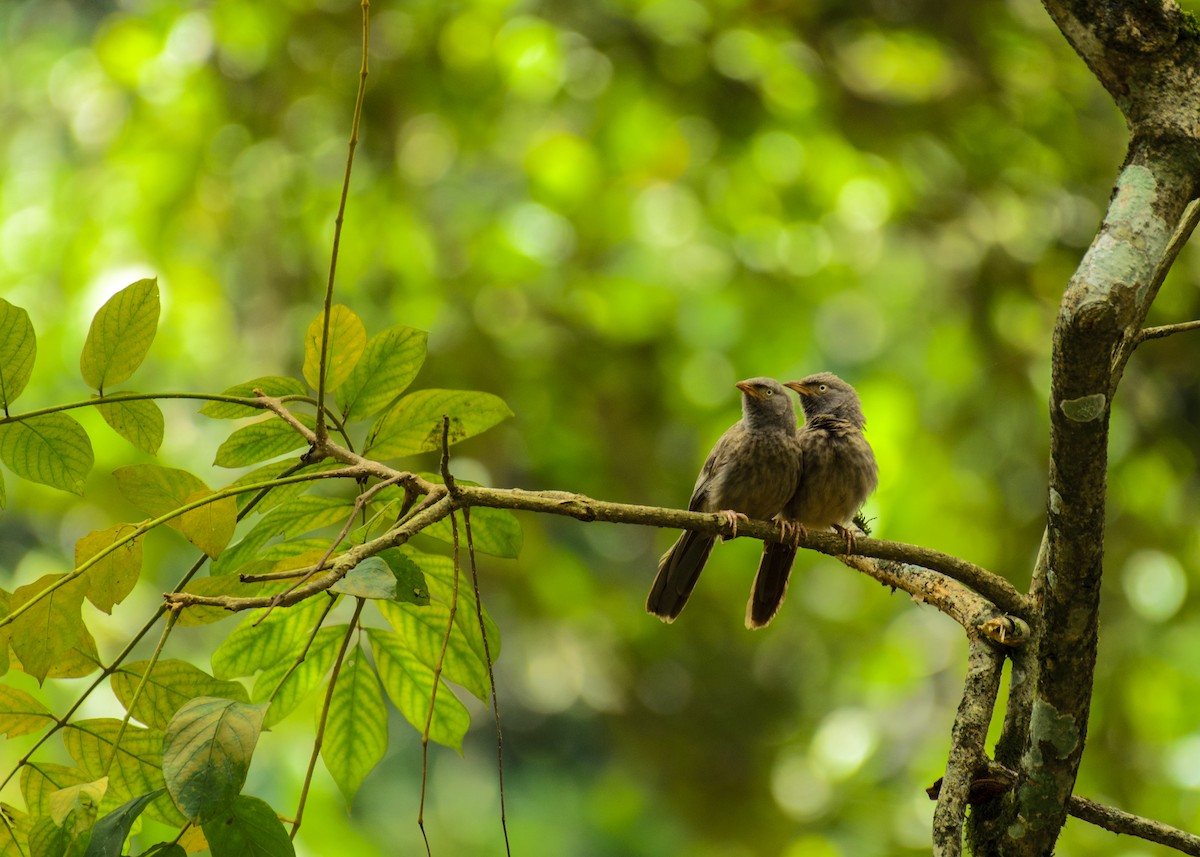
<point>281,494</point>
<point>158,490</point>
<point>139,421</point>
<point>206,754</point>
<point>209,526</point>
<point>43,635</point>
<point>371,578</point>
<point>292,519</point>
<point>298,678</point>
<point>279,636</point>
<point>111,578</point>
<point>40,780</point>
<point>414,424</point>
<point>83,795</point>
<point>136,768</point>
<point>409,684</point>
<point>170,685</point>
<point>356,730</point>
<point>495,532</point>
<point>261,441</point>
<point>20,713</point>
<point>439,574</point>
<point>388,365</point>
<point>347,341</point>
<point>52,449</point>
<point>423,630</point>
<point>18,348</point>
<point>249,828</point>
<point>271,385</point>
<point>120,335</point>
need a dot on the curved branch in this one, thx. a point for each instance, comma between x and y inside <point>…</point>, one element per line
<point>967,755</point>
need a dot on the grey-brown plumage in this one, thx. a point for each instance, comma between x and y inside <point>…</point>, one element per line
<point>837,474</point>
<point>750,473</point>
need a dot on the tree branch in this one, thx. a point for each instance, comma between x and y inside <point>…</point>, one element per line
<point>967,754</point>
<point>1121,822</point>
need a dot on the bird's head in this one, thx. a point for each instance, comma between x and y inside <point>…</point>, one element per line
<point>825,394</point>
<point>764,399</point>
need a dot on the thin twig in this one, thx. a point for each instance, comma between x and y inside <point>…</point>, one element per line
<point>1121,822</point>
<point>487,657</point>
<point>340,219</point>
<point>967,753</point>
<point>437,678</point>
<point>320,738</point>
<point>141,685</point>
<point>1167,330</point>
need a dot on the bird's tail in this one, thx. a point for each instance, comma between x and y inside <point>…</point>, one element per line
<point>678,571</point>
<point>770,584</point>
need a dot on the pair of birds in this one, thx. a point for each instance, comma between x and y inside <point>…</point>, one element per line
<point>764,467</point>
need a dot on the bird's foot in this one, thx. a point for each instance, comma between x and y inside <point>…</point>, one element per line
<point>791,531</point>
<point>732,518</point>
<point>848,535</point>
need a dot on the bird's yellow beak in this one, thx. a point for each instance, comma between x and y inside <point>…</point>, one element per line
<point>800,388</point>
<point>749,389</point>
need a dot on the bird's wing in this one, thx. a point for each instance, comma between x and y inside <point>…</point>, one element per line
<point>702,495</point>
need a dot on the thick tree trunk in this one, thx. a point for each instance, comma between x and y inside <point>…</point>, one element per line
<point>1145,54</point>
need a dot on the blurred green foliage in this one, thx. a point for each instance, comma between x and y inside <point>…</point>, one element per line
<point>606,214</point>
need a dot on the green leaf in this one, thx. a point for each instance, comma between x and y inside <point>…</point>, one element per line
<point>40,780</point>
<point>356,730</point>
<point>410,581</point>
<point>283,493</point>
<point>206,754</point>
<point>136,769</point>
<point>51,449</point>
<point>279,636</point>
<point>347,341</point>
<point>120,335</point>
<point>414,424</point>
<point>158,490</point>
<point>18,348</point>
<point>409,684</point>
<point>211,525</point>
<point>371,578</point>
<point>170,685</point>
<point>299,682</point>
<point>292,519</point>
<point>47,839</point>
<point>495,532</point>
<point>249,828</point>
<point>83,795</point>
<point>20,713</point>
<point>439,573</point>
<point>112,578</point>
<point>272,385</point>
<point>391,360</point>
<point>423,630</point>
<point>261,441</point>
<point>139,421</point>
<point>110,832</point>
<point>52,627</point>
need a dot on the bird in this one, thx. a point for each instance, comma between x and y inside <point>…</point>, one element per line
<point>837,474</point>
<point>750,473</point>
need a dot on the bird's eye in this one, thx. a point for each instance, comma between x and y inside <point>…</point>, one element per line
<point>823,388</point>
<point>769,392</point>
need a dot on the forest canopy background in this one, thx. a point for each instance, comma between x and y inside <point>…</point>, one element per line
<point>606,214</point>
